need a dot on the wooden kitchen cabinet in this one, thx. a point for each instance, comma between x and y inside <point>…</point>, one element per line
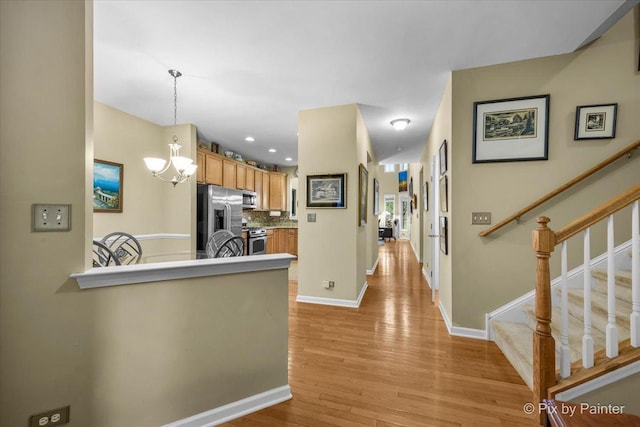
<point>200,169</point>
<point>265,191</point>
<point>250,183</point>
<point>270,242</point>
<point>209,168</point>
<point>228,174</point>
<point>257,179</point>
<point>292,241</point>
<point>277,188</point>
<point>241,177</point>
<point>281,240</point>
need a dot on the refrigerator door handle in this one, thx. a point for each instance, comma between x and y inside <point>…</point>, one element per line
<point>227,216</point>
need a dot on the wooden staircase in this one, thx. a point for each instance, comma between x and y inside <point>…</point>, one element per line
<point>515,338</point>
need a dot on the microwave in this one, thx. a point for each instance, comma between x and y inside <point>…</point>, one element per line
<point>249,200</point>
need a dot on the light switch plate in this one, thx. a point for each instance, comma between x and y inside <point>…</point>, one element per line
<point>481,218</point>
<point>311,217</point>
<point>51,217</point>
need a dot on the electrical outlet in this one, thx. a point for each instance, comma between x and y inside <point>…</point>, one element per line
<point>51,217</point>
<point>332,284</point>
<point>481,218</point>
<point>325,284</point>
<point>54,417</point>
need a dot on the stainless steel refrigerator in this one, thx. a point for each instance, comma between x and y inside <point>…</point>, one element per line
<point>218,209</point>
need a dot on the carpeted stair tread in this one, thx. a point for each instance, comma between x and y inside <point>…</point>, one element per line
<point>599,311</point>
<point>623,283</point>
<point>576,331</point>
<point>515,340</point>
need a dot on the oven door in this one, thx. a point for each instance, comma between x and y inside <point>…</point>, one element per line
<point>258,245</point>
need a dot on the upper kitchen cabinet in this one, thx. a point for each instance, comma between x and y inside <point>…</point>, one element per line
<point>209,168</point>
<point>228,173</point>
<point>241,177</point>
<point>250,183</point>
<point>277,191</point>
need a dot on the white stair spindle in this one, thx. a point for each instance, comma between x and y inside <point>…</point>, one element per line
<point>612,330</point>
<point>587,338</point>
<point>565,354</point>
<point>635,275</point>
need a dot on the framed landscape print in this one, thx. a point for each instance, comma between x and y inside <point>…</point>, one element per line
<point>327,191</point>
<point>444,235</point>
<point>363,193</point>
<point>444,199</point>
<point>595,121</point>
<point>510,130</point>
<point>376,196</point>
<point>443,157</point>
<point>107,186</point>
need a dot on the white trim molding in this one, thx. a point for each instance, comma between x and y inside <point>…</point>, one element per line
<point>334,301</point>
<point>459,331</point>
<point>373,268</point>
<point>237,409</point>
<point>157,236</point>
<point>159,271</point>
<point>599,382</point>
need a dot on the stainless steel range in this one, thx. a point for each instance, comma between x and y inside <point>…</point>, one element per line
<point>257,240</point>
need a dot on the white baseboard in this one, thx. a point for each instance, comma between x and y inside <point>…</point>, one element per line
<point>236,409</point>
<point>334,301</point>
<point>599,382</point>
<point>373,269</point>
<point>425,274</point>
<point>459,331</point>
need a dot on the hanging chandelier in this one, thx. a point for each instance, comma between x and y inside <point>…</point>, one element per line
<point>183,165</point>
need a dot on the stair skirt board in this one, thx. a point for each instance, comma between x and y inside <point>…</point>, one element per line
<point>459,331</point>
<point>512,311</point>
<point>236,409</point>
<point>334,301</point>
<point>601,381</point>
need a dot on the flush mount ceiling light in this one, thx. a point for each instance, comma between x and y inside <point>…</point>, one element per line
<point>249,139</point>
<point>400,124</point>
<point>288,159</point>
<point>183,165</point>
<point>272,150</point>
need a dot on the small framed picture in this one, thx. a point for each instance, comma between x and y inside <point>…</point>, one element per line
<point>363,194</point>
<point>376,197</point>
<point>327,191</point>
<point>444,235</point>
<point>214,147</point>
<point>107,186</point>
<point>444,200</point>
<point>596,121</point>
<point>425,196</point>
<point>443,157</point>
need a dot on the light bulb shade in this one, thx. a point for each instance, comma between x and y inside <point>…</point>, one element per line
<point>181,163</point>
<point>400,124</point>
<point>154,164</point>
<point>190,170</point>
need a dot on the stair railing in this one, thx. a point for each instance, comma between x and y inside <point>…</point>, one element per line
<point>544,242</point>
<point>516,216</point>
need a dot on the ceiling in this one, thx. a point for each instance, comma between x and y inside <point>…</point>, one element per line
<point>249,67</point>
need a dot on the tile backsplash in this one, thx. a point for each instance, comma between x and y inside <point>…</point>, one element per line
<point>263,219</point>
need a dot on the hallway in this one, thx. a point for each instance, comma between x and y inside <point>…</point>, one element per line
<point>391,362</point>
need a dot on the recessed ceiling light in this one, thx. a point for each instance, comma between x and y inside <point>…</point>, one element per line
<point>272,150</point>
<point>288,159</point>
<point>249,139</point>
<point>400,124</point>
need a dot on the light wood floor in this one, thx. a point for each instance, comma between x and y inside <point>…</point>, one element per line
<point>391,362</point>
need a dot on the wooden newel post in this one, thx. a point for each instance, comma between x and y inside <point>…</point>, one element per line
<point>544,347</point>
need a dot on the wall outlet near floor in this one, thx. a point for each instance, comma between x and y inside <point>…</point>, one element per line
<point>54,417</point>
<point>328,284</point>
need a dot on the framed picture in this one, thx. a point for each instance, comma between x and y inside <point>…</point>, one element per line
<point>410,187</point>
<point>444,235</point>
<point>214,147</point>
<point>425,195</point>
<point>444,205</point>
<point>510,130</point>
<point>376,197</point>
<point>327,191</point>
<point>363,194</point>
<point>402,181</point>
<point>596,121</point>
<point>443,157</point>
<point>107,186</point>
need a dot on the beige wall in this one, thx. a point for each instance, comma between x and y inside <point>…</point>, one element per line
<point>141,355</point>
<point>440,131</point>
<point>334,247</point>
<point>488,272</point>
<point>150,206</point>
